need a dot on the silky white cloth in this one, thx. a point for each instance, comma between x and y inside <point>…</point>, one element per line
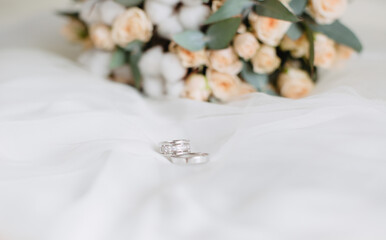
<point>78,157</point>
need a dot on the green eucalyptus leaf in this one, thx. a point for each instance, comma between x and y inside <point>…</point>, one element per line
<point>118,59</point>
<point>134,46</point>
<point>295,31</point>
<point>229,9</point>
<point>311,56</point>
<point>134,60</point>
<point>71,14</point>
<point>259,81</point>
<point>339,33</point>
<point>192,40</point>
<point>298,6</point>
<point>221,33</point>
<point>130,3</point>
<point>274,9</point>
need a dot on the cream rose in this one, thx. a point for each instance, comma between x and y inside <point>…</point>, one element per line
<point>197,87</point>
<point>326,11</point>
<point>246,45</point>
<point>344,52</point>
<point>298,48</point>
<point>265,60</point>
<point>294,83</point>
<point>190,59</point>
<point>225,61</point>
<point>325,52</point>
<point>269,30</point>
<point>100,35</point>
<point>132,25</point>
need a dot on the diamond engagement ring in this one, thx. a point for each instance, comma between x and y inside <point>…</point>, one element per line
<point>178,152</point>
<point>175,148</point>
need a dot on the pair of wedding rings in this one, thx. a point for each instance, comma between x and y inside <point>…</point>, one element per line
<point>179,152</point>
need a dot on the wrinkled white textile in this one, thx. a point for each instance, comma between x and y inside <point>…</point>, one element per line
<point>78,158</point>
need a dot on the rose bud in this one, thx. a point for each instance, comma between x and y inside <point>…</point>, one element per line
<point>225,61</point>
<point>265,60</point>
<point>132,25</point>
<point>246,45</point>
<point>326,11</point>
<point>269,30</point>
<point>197,87</point>
<point>188,58</point>
<point>325,52</point>
<point>294,83</point>
<point>298,48</point>
<point>100,35</point>
<point>224,86</point>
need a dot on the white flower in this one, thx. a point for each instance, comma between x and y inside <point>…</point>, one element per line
<point>150,62</point>
<point>172,18</point>
<point>96,61</point>
<point>171,68</point>
<point>162,73</point>
<point>170,26</point>
<point>110,10</point>
<point>197,87</point>
<point>123,74</point>
<point>298,48</point>
<point>246,45</point>
<point>157,11</point>
<point>269,30</point>
<point>90,11</point>
<point>265,60</point>
<point>326,11</point>
<point>153,87</point>
<point>225,86</point>
<point>188,58</point>
<point>100,35</point>
<point>325,51</point>
<point>295,83</point>
<point>191,17</point>
<point>132,25</point>
<point>225,61</point>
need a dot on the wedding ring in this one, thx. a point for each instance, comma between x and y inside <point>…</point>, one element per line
<point>175,148</point>
<point>190,159</point>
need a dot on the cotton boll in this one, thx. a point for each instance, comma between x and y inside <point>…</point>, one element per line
<point>110,10</point>
<point>169,27</point>
<point>192,17</point>
<point>153,87</point>
<point>150,62</point>
<point>168,2</point>
<point>171,68</point>
<point>157,11</point>
<point>191,2</point>
<point>90,12</point>
<point>175,90</point>
<point>96,61</point>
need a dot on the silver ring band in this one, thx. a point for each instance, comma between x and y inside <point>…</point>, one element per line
<point>190,159</point>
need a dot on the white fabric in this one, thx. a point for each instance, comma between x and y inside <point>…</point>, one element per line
<point>78,158</point>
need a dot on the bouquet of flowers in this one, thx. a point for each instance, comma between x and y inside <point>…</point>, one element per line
<point>212,50</point>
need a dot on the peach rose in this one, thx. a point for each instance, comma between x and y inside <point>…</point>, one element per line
<point>197,87</point>
<point>269,30</point>
<point>294,83</point>
<point>100,35</point>
<point>298,48</point>
<point>132,25</point>
<point>326,11</point>
<point>225,86</point>
<point>246,45</point>
<point>225,61</point>
<point>344,52</point>
<point>265,60</point>
<point>190,59</point>
<point>325,52</point>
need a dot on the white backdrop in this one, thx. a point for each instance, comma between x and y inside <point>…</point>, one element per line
<point>78,158</point>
